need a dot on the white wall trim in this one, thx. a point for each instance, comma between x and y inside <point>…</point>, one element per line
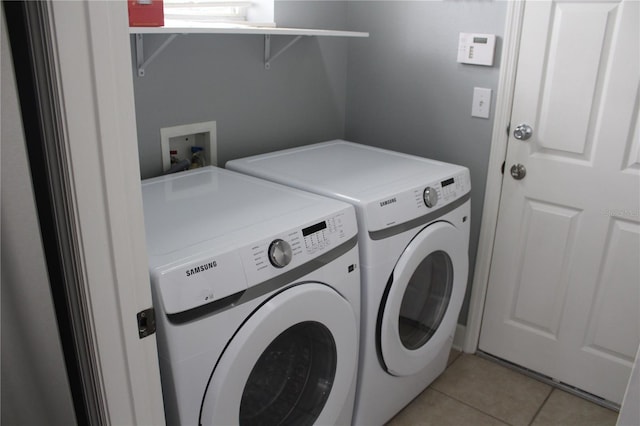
<point>504,101</point>
<point>459,336</point>
<point>93,64</point>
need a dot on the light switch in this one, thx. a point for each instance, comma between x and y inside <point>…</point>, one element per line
<point>481,105</point>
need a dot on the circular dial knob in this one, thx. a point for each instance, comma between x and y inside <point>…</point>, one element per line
<point>280,253</point>
<point>430,196</point>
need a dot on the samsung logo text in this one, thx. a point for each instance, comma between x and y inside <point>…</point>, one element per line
<point>387,202</point>
<point>201,268</point>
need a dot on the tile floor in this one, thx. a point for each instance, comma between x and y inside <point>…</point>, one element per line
<point>475,391</point>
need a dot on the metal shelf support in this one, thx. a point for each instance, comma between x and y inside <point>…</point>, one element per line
<point>140,61</point>
<point>268,58</point>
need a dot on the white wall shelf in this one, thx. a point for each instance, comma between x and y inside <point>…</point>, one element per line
<point>173,29</point>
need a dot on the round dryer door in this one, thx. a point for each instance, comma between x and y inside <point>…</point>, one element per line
<point>424,296</point>
<point>292,362</point>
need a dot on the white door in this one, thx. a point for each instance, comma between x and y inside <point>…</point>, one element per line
<point>423,299</point>
<point>564,287</point>
<point>291,362</point>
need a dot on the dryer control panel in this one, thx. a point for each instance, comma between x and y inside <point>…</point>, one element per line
<point>418,201</point>
<point>444,191</point>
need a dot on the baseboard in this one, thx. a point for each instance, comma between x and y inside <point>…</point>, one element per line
<point>459,336</point>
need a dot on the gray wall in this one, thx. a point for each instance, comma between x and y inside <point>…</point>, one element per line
<point>35,390</point>
<point>300,100</point>
<point>406,92</point>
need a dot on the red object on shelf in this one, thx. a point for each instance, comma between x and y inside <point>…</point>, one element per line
<point>146,13</point>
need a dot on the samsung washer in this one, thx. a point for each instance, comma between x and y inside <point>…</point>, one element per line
<point>413,216</point>
<point>257,298</point>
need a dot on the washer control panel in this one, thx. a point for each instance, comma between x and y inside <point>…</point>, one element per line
<point>268,258</point>
<point>280,253</point>
<point>223,271</point>
<point>430,196</point>
<point>319,236</point>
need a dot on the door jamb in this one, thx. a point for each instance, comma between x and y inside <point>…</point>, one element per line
<point>93,69</point>
<point>493,188</point>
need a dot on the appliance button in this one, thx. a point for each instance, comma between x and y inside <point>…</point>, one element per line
<point>430,197</point>
<point>280,253</point>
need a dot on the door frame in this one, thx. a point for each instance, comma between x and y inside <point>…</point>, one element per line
<point>493,187</point>
<point>91,66</point>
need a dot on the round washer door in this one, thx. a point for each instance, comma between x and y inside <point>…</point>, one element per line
<point>291,362</point>
<point>423,301</point>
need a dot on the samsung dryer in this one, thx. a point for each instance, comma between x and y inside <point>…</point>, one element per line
<point>413,216</point>
<point>257,297</point>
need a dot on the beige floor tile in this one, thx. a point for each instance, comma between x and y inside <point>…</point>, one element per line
<point>434,408</point>
<point>493,389</point>
<point>453,355</point>
<point>564,409</point>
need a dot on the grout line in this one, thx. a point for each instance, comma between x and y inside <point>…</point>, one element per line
<point>471,406</point>
<point>454,361</point>
<point>541,405</point>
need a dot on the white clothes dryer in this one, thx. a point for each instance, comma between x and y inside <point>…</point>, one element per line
<point>413,217</point>
<point>257,298</point>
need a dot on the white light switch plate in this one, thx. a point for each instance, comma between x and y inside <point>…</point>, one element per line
<point>481,105</point>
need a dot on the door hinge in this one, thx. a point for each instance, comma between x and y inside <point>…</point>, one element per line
<point>504,163</point>
<point>146,322</point>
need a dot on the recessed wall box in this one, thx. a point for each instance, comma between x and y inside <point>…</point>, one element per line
<point>476,49</point>
<point>178,141</point>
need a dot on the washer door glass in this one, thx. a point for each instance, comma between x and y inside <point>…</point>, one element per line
<point>292,379</point>
<point>291,362</point>
<point>423,299</point>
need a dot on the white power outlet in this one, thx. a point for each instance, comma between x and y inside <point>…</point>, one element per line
<point>180,139</point>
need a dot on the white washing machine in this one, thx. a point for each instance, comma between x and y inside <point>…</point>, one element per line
<point>256,289</point>
<point>414,217</point>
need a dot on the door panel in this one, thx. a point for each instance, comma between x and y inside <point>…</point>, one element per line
<point>571,78</point>
<point>563,296</point>
<point>613,289</point>
<point>553,227</point>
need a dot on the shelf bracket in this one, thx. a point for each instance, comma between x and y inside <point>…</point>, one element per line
<point>268,58</point>
<point>140,61</point>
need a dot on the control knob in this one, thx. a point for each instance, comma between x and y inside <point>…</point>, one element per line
<point>280,253</point>
<point>430,196</point>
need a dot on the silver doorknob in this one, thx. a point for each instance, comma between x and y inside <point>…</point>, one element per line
<point>518,171</point>
<point>523,132</point>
